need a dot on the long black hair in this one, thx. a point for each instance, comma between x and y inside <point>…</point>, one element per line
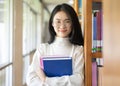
<point>75,36</point>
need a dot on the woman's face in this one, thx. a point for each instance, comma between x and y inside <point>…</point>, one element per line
<point>62,24</point>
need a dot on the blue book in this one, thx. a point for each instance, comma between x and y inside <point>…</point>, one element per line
<point>57,66</point>
<point>94,33</point>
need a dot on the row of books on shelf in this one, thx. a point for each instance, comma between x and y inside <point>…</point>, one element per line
<point>97,41</point>
<point>97,18</point>
<point>97,31</point>
<point>95,71</point>
<point>97,44</point>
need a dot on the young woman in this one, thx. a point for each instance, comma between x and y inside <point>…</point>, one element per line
<point>65,40</point>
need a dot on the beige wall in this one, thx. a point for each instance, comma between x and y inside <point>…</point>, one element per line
<point>111,43</point>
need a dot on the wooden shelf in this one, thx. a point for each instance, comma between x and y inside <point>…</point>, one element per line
<point>97,55</point>
<point>87,8</point>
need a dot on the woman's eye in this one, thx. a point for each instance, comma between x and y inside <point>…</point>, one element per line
<point>57,22</point>
<point>68,21</point>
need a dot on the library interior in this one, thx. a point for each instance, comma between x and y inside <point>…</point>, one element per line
<point>24,25</point>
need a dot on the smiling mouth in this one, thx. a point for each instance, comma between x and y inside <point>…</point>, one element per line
<point>62,30</point>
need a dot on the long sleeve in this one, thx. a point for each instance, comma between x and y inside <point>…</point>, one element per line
<point>32,78</point>
<point>77,79</point>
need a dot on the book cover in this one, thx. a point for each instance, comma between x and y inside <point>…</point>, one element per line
<point>57,66</point>
<point>99,28</point>
<point>99,37</point>
<point>94,32</point>
<point>94,74</point>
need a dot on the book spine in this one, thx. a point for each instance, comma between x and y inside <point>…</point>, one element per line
<point>99,36</point>
<point>98,16</point>
<point>94,32</point>
<point>94,74</point>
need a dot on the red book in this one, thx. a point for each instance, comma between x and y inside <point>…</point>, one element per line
<point>99,30</point>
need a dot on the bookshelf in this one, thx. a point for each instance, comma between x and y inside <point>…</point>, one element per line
<point>87,26</point>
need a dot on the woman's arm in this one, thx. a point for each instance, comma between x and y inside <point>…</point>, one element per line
<point>77,79</point>
<point>34,77</point>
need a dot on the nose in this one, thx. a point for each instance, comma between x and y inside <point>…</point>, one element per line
<point>62,25</point>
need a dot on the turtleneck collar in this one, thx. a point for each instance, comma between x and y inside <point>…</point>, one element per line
<point>62,41</point>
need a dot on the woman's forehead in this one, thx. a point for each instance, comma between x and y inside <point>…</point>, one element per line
<point>61,15</point>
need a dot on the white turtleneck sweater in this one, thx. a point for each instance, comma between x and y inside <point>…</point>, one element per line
<point>60,47</point>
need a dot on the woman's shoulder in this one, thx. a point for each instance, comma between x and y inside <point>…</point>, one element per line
<point>78,47</point>
<point>43,45</point>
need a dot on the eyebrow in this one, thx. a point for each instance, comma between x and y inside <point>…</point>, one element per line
<point>64,20</point>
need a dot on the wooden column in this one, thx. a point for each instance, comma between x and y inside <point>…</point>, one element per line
<point>87,12</point>
<point>76,7</point>
<point>17,42</point>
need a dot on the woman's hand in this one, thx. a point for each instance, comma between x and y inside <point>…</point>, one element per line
<point>41,74</point>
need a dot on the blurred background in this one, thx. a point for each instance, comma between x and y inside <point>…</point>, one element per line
<point>23,26</point>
